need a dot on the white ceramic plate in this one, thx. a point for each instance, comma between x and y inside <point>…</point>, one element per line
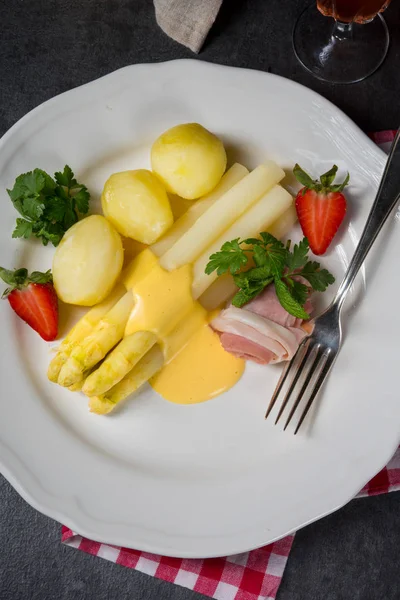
<point>215,478</point>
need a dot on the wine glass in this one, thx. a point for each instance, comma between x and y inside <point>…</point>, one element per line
<point>342,41</point>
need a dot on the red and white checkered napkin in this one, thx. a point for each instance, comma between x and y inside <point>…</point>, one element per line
<point>254,575</point>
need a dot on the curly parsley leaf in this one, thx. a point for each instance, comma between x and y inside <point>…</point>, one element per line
<point>48,206</point>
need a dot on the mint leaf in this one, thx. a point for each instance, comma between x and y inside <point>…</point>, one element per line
<point>243,296</point>
<point>288,302</point>
<point>240,298</point>
<point>276,254</point>
<point>259,255</point>
<point>298,290</point>
<point>269,252</point>
<point>258,274</point>
<point>274,263</point>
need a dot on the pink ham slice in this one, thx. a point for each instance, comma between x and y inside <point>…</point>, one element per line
<point>244,348</point>
<point>262,331</point>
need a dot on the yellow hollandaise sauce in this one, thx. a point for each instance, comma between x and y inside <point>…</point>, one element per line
<point>196,366</point>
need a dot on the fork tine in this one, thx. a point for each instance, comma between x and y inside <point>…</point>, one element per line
<point>306,349</point>
<point>278,388</point>
<point>311,371</point>
<point>330,359</point>
<point>282,380</point>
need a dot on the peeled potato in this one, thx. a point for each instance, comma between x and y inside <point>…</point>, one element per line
<point>87,262</point>
<point>137,205</point>
<point>189,159</point>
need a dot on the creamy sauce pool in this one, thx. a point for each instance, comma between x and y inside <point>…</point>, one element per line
<point>196,367</point>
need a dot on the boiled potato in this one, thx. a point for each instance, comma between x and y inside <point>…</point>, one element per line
<point>136,203</point>
<point>189,160</point>
<point>87,262</point>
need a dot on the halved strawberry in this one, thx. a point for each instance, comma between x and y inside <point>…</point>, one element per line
<point>34,300</point>
<point>320,207</point>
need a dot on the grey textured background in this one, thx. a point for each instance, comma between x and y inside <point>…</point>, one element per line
<point>49,46</point>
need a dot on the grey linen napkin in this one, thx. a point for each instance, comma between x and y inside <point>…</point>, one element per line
<point>187,21</point>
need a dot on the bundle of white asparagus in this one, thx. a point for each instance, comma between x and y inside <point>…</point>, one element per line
<point>242,205</point>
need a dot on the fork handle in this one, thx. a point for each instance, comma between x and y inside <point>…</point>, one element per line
<point>386,199</point>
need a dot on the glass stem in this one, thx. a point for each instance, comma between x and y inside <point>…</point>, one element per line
<point>342,31</point>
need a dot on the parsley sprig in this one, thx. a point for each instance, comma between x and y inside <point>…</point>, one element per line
<point>274,262</point>
<point>48,206</point>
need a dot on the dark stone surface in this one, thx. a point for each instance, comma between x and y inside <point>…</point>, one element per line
<point>49,46</point>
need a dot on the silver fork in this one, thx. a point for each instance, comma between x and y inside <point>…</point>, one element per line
<point>317,353</point>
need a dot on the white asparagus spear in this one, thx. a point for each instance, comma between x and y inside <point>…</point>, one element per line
<point>257,218</point>
<point>221,215</point>
<point>107,333</point>
<point>152,362</point>
<point>119,362</point>
<point>188,219</point>
<point>148,366</point>
<point>83,327</point>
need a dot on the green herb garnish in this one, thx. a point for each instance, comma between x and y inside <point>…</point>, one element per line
<point>274,263</point>
<point>48,206</point>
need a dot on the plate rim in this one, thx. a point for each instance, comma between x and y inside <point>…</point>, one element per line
<point>14,469</point>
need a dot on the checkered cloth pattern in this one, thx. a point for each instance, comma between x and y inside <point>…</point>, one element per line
<point>254,575</point>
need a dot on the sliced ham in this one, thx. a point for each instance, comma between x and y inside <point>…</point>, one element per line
<point>259,330</point>
<point>268,306</point>
<point>262,331</point>
<point>244,348</point>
